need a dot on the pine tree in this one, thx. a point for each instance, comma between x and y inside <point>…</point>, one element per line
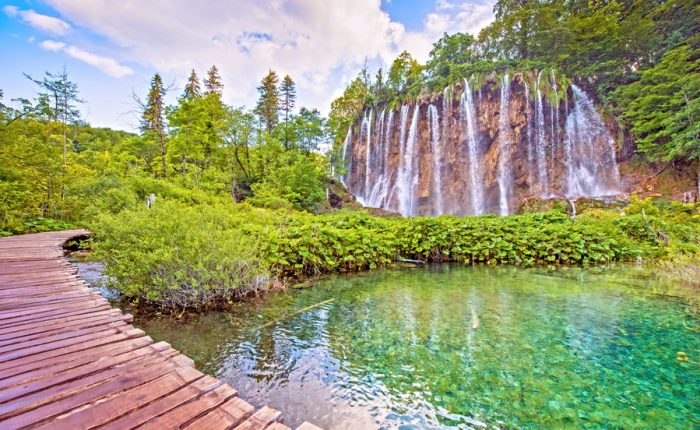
<point>213,84</point>
<point>289,94</point>
<point>268,103</point>
<point>152,122</point>
<point>193,88</point>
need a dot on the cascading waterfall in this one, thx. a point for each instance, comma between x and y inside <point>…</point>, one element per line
<point>408,177</point>
<point>528,133</point>
<point>346,159</point>
<point>396,189</point>
<point>591,168</point>
<point>434,119</point>
<point>470,156</point>
<point>504,180</point>
<point>476,187</point>
<point>541,140</point>
<point>368,155</point>
<point>373,199</point>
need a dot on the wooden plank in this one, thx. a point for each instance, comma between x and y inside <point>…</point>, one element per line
<point>164,404</point>
<point>31,371</point>
<point>39,355</point>
<point>121,403</point>
<point>261,419</point>
<point>62,403</point>
<point>28,326</point>
<point>191,410</point>
<point>46,333</point>
<point>54,388</point>
<point>228,415</point>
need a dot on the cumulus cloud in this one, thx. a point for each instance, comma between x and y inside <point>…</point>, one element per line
<point>108,65</point>
<point>466,17</point>
<point>41,22</point>
<point>320,43</point>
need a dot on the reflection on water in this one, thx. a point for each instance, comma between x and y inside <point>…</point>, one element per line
<point>459,347</point>
<point>93,273</point>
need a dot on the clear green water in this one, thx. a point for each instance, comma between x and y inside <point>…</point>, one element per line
<point>461,347</point>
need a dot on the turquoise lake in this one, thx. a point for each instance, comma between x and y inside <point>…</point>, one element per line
<point>451,346</point>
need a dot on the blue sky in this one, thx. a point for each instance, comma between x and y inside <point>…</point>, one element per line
<point>112,48</point>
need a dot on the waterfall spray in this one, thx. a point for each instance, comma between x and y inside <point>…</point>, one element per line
<point>504,178</point>
<point>437,158</point>
<point>346,160</point>
<point>541,141</point>
<point>476,184</point>
<point>589,173</point>
<point>368,155</point>
<point>408,177</point>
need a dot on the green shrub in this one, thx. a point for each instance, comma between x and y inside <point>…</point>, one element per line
<point>181,256</point>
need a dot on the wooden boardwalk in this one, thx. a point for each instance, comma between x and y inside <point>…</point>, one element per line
<point>68,360</point>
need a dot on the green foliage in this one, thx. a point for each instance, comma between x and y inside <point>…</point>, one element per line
<point>449,52</point>
<point>182,257</point>
<point>189,253</point>
<point>663,107</point>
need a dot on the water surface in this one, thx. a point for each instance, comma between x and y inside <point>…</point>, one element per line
<point>460,347</point>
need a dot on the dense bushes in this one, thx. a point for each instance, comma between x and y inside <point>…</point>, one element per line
<point>183,255</point>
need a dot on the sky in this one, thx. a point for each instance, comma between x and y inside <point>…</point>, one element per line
<point>111,49</point>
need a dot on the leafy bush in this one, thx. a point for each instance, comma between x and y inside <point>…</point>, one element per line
<point>182,255</point>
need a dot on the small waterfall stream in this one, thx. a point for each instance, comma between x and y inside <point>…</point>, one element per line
<point>435,142</point>
<point>505,184</point>
<point>476,186</point>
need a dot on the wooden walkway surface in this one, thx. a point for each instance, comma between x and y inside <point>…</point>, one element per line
<point>68,360</point>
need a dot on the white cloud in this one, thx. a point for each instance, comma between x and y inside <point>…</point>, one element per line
<point>320,43</point>
<point>45,23</point>
<point>108,65</point>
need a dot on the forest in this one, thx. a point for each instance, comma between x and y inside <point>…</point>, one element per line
<point>251,191</point>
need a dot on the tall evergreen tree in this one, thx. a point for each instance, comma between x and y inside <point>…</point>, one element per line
<point>289,94</point>
<point>152,122</point>
<point>268,103</point>
<point>212,83</point>
<point>193,89</point>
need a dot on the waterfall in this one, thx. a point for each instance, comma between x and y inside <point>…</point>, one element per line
<point>437,158</point>
<point>408,177</point>
<point>504,178</point>
<point>528,134</point>
<point>476,185</point>
<point>541,140</point>
<point>374,198</point>
<point>591,169</point>
<point>465,166</point>
<point>346,160</point>
<point>397,188</point>
<point>383,198</point>
<point>368,155</point>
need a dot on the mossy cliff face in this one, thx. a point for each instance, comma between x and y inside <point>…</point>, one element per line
<point>482,147</point>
